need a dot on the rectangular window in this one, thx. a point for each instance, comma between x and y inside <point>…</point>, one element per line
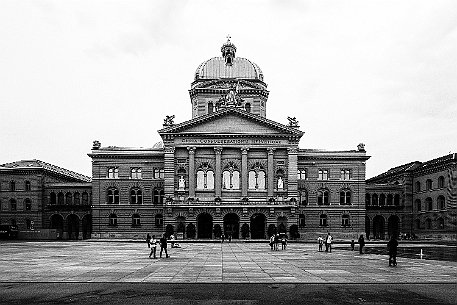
<point>345,174</point>
<point>323,174</point>
<point>345,221</point>
<point>159,173</point>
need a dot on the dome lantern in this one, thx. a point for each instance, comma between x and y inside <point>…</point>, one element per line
<point>228,50</point>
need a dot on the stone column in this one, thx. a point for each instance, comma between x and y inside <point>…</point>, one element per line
<point>218,172</point>
<point>271,175</point>
<point>244,172</point>
<point>191,171</point>
<point>292,182</point>
<point>169,172</point>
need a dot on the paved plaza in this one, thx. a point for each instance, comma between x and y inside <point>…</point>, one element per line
<point>236,262</point>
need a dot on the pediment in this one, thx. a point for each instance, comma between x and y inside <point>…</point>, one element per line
<point>232,121</point>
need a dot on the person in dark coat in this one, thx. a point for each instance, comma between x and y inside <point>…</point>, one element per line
<point>148,239</point>
<point>392,246</point>
<point>361,243</point>
<point>163,246</point>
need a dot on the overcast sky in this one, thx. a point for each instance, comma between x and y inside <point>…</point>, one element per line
<point>383,73</point>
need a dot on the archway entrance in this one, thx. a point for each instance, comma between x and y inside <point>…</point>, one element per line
<point>204,226</point>
<point>367,227</point>
<point>258,226</point>
<point>87,226</point>
<point>57,223</point>
<point>378,227</point>
<point>393,226</point>
<point>73,226</point>
<point>232,225</point>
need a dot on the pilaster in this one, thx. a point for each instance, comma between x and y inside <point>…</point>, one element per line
<point>292,182</point>
<point>270,172</point>
<point>244,171</point>
<point>191,151</point>
<point>169,172</point>
<point>218,178</point>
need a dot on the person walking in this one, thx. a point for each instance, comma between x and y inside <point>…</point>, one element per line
<point>163,245</point>
<point>153,245</point>
<point>320,241</point>
<point>328,243</point>
<point>392,246</point>
<point>352,245</point>
<point>361,243</point>
<point>272,241</point>
<point>148,239</point>
<point>284,242</point>
<point>276,241</point>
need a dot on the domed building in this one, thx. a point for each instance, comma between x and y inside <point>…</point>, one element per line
<point>228,170</point>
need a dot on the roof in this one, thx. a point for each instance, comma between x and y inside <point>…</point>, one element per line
<point>37,164</point>
<point>216,67</point>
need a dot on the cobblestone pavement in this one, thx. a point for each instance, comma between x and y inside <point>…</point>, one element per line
<point>236,262</point>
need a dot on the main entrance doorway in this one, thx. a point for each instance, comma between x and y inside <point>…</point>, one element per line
<point>73,226</point>
<point>232,225</point>
<point>204,226</point>
<point>258,226</point>
<point>378,227</point>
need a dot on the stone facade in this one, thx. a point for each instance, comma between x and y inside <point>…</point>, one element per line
<point>229,169</point>
<point>26,200</point>
<point>418,199</point>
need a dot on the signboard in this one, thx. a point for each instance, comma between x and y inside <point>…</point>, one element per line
<point>193,141</point>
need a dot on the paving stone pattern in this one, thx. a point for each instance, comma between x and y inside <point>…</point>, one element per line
<point>235,262</point>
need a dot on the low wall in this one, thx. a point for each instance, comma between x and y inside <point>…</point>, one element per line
<point>38,234</point>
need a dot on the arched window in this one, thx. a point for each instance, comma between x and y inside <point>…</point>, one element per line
<point>429,204</point>
<point>418,186</point>
<point>159,173</point>
<point>418,224</point>
<point>301,221</point>
<point>231,177</point>
<point>302,174</point>
<point>441,182</point>
<point>390,199</point>
<point>136,220</point>
<point>440,223</point>
<point>210,107</point>
<point>68,198</point>
<point>382,200</point>
<point>367,199</point>
<point>159,220</point>
<point>76,198</point>
<point>28,204</point>
<point>135,173</point>
<point>323,220</point>
<point>257,177</point>
<point>28,224</point>
<point>428,184</point>
<point>397,200</point>
<point>113,220</point>
<point>375,200</point>
<point>85,198</point>
<point>303,197</point>
<point>113,195</point>
<point>158,196</point>
<point>441,202</point>
<point>205,177</point>
<point>345,174</point>
<point>27,186</point>
<point>181,179</point>
<point>418,205</point>
<point>113,172</point>
<point>60,198</point>
<point>345,220</point>
<point>428,223</point>
<point>53,198</point>
<point>13,205</point>
<point>136,196</point>
<point>323,197</point>
<point>322,174</point>
<point>345,197</point>
<point>12,186</point>
<point>247,107</point>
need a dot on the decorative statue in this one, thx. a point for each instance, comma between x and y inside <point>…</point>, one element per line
<point>168,121</point>
<point>361,147</point>
<point>292,122</point>
<point>181,183</point>
<point>280,183</point>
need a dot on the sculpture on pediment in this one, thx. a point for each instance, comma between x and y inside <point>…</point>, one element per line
<point>232,98</point>
<point>169,120</point>
<point>361,147</point>
<point>293,122</point>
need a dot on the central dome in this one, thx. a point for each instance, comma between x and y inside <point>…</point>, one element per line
<point>228,66</point>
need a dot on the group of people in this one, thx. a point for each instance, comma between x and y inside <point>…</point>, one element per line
<point>327,241</point>
<point>275,239</point>
<point>392,246</point>
<point>163,243</point>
